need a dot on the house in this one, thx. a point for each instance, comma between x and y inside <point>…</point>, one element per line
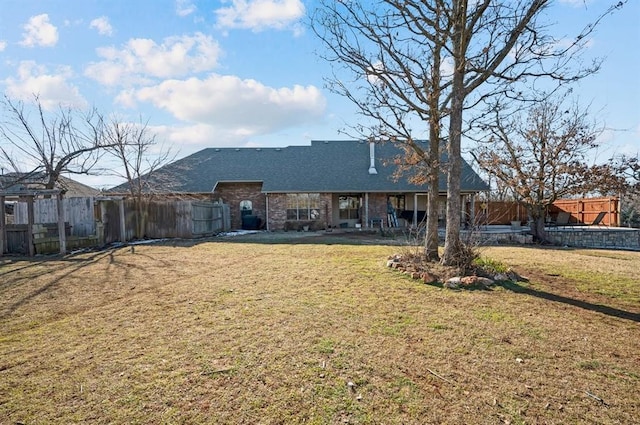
<point>16,183</point>
<point>328,184</point>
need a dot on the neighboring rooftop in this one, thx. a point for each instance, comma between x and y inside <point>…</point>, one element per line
<point>22,182</point>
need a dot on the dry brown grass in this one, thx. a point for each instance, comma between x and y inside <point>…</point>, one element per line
<point>232,332</point>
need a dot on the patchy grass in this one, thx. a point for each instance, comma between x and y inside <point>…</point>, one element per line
<point>244,331</point>
<point>613,274</point>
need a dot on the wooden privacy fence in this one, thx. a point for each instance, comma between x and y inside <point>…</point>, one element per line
<point>582,211</point>
<point>35,223</point>
<point>160,219</point>
<point>499,212</point>
<point>78,213</point>
<point>92,222</point>
<point>585,211</point>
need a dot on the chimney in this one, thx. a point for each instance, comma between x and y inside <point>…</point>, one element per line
<point>372,158</point>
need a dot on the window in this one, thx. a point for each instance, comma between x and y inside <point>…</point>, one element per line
<point>246,208</point>
<point>349,207</point>
<point>397,202</point>
<point>303,206</point>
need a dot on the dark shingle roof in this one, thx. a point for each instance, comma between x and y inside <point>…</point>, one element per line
<point>324,166</point>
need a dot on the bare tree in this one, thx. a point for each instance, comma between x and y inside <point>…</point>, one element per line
<point>138,156</point>
<point>543,154</point>
<point>499,50</point>
<point>35,142</point>
<point>395,57</point>
<point>628,168</point>
<point>495,48</point>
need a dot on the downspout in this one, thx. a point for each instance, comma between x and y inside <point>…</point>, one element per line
<point>266,196</point>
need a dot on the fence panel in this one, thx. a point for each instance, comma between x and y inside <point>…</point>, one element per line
<point>499,212</point>
<point>585,211</point>
<point>78,212</point>
<point>162,219</point>
<point>582,211</point>
<point>110,218</point>
<point>207,218</point>
<point>17,241</point>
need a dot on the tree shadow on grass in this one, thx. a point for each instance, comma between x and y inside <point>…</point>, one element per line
<point>69,265</point>
<point>600,308</point>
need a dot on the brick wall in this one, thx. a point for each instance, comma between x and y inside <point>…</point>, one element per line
<point>377,207</point>
<point>278,214</point>
<point>233,193</point>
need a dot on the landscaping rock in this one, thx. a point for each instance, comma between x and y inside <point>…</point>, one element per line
<point>501,277</point>
<point>428,278</point>
<point>515,277</point>
<point>476,280</point>
<point>453,283</point>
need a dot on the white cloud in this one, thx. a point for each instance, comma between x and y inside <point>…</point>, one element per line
<point>576,3</point>
<point>102,25</point>
<point>258,15</point>
<point>53,89</point>
<point>3,45</point>
<point>185,7</point>
<point>446,67</point>
<point>243,107</point>
<point>142,59</point>
<point>193,137</point>
<point>39,32</point>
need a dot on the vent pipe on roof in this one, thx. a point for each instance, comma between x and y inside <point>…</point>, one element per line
<point>372,158</point>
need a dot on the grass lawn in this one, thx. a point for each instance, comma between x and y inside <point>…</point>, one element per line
<point>315,332</point>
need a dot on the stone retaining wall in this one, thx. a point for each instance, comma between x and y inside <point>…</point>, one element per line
<point>585,237</point>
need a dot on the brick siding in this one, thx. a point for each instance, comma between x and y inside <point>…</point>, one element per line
<point>233,193</point>
<point>278,214</point>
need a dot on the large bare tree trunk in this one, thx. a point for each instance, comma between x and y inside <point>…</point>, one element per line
<point>431,236</point>
<point>435,115</point>
<point>537,226</point>
<point>452,244</point>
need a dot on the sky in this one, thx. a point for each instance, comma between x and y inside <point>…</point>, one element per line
<point>245,73</point>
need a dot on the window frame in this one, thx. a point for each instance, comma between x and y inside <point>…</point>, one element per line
<point>352,212</point>
<point>303,206</point>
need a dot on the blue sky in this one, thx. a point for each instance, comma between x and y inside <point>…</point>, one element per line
<point>244,72</point>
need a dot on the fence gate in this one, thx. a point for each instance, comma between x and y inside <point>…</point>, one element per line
<point>206,218</point>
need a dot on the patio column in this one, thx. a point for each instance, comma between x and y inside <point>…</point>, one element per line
<point>415,210</point>
<point>366,209</point>
<point>472,213</point>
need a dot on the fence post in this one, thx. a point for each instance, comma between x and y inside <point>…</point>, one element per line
<point>3,227</point>
<point>123,230</point>
<point>30,219</point>
<point>61,227</point>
